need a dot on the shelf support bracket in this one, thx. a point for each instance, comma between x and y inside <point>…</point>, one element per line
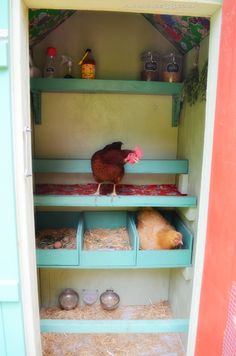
<point>36,106</point>
<point>176,101</point>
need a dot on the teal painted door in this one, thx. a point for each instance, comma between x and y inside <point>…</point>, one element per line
<point>11,317</point>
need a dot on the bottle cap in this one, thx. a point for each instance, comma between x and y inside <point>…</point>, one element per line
<point>51,51</point>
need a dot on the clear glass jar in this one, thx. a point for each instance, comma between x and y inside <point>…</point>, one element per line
<point>172,68</point>
<point>68,299</point>
<point>151,64</point>
<point>109,300</point>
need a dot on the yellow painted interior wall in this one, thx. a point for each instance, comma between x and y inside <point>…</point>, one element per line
<point>190,146</point>
<point>135,287</point>
<point>116,40</point>
<point>75,125</point>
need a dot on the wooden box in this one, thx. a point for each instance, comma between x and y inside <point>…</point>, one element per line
<point>180,257</point>
<point>60,256</point>
<point>108,258</point>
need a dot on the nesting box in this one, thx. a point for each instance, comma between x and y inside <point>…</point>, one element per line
<point>49,221</point>
<point>89,221</point>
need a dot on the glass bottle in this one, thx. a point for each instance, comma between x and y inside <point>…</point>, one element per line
<point>88,65</point>
<point>50,65</point>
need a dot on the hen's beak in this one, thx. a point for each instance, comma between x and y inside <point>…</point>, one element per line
<point>179,241</point>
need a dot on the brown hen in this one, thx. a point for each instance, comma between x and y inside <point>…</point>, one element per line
<point>108,164</point>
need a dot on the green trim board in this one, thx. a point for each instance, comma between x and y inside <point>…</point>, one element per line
<point>117,201</point>
<point>147,166</point>
<point>105,86</point>
<point>58,85</point>
<point>114,326</point>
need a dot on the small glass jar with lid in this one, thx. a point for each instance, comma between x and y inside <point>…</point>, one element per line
<point>151,64</point>
<point>172,67</point>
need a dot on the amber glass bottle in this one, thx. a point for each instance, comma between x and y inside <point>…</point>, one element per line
<point>88,65</point>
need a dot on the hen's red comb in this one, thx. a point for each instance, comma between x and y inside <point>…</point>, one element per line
<point>138,151</point>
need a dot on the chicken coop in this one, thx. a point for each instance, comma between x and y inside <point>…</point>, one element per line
<point>153,90</point>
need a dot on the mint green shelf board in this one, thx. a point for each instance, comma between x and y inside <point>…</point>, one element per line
<point>56,257</point>
<point>148,166</point>
<point>105,266</point>
<point>117,201</point>
<point>39,85</point>
<point>105,86</point>
<point>107,259</point>
<point>114,326</point>
<point>139,265</point>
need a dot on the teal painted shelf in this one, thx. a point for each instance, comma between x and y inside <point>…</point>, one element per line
<point>57,85</point>
<point>84,166</point>
<point>80,258</point>
<point>114,326</point>
<point>117,201</point>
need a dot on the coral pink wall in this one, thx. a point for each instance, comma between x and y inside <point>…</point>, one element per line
<point>220,254</point>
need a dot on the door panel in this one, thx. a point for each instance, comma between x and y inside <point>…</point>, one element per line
<point>11,319</point>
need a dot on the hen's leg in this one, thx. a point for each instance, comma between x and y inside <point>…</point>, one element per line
<point>114,190</point>
<point>98,189</point>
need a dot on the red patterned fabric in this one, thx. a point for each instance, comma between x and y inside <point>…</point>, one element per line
<point>122,189</point>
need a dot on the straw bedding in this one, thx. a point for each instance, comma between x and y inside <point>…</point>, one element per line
<point>111,344</point>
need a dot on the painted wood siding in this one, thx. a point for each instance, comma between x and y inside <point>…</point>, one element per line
<point>220,262</point>
<point>11,321</point>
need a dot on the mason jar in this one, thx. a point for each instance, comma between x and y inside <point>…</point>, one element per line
<point>172,67</point>
<point>150,65</point>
